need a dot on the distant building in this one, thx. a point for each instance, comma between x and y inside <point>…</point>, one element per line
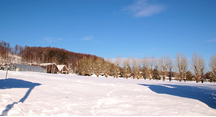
<point>50,67</point>
<point>62,69</point>
<point>54,68</point>
<point>21,67</point>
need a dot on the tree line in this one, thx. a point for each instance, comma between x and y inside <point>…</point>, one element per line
<point>152,68</point>
<point>86,64</point>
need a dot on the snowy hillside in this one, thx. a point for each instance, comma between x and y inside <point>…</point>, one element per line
<point>35,94</point>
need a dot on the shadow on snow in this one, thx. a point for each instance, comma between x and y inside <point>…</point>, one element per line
<point>16,83</point>
<point>207,96</point>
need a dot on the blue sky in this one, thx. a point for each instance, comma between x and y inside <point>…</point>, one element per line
<point>108,28</point>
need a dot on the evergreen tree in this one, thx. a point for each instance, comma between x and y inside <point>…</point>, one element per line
<point>156,74</point>
<point>189,76</point>
<point>145,70</point>
<point>210,75</point>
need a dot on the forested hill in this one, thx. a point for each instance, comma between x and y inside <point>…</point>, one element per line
<point>43,55</point>
<point>51,55</point>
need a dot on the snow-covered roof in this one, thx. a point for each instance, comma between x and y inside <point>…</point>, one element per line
<point>28,67</point>
<point>45,64</point>
<point>34,63</point>
<point>60,67</point>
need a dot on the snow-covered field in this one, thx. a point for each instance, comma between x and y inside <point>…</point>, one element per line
<point>29,93</point>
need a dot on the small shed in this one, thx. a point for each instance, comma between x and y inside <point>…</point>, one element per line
<point>50,67</point>
<point>21,67</point>
<point>62,69</point>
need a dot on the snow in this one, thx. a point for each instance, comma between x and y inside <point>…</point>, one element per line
<point>42,94</point>
<point>46,64</point>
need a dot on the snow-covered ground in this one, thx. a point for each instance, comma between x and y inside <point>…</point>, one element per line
<point>35,94</point>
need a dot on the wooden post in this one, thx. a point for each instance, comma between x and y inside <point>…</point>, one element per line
<point>6,72</point>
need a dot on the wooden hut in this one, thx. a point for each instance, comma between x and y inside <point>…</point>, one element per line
<point>62,69</point>
<point>50,67</point>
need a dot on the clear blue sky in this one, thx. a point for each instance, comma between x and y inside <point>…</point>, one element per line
<point>107,28</point>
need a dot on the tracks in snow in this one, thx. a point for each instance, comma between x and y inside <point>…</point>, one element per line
<point>100,101</point>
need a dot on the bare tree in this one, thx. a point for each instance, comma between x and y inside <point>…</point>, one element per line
<point>151,65</point>
<point>165,64</point>
<point>116,68</point>
<point>4,52</point>
<point>126,71</point>
<point>106,68</point>
<point>169,67</point>
<point>212,65</point>
<point>90,65</point>
<point>145,64</point>
<point>86,66</point>
<point>157,69</point>
<point>198,65</point>
<point>98,66</point>
<point>181,65</point>
<point>82,66</point>
<point>136,69</point>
